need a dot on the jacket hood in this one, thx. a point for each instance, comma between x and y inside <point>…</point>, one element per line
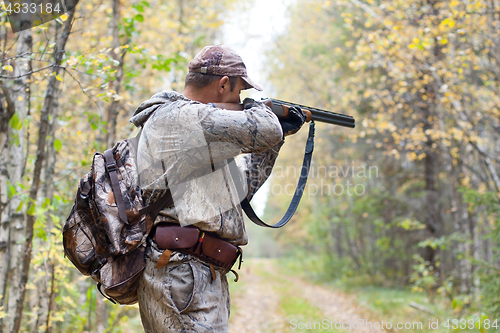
<point>146,109</point>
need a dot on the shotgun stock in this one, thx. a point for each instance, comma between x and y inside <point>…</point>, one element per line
<point>314,114</point>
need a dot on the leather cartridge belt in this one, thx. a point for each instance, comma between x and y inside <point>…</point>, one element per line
<point>191,240</point>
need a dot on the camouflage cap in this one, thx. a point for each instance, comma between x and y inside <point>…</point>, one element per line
<point>221,60</point>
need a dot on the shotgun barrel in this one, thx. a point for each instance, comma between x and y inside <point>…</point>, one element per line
<point>315,114</point>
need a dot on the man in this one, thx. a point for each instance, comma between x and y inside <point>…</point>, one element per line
<point>187,145</point>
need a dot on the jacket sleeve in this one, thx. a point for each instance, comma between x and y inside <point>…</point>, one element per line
<point>253,130</point>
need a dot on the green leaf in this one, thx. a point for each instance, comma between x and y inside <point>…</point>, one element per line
<point>15,122</point>
<point>57,145</point>
<point>56,219</point>
<point>40,228</point>
<point>46,203</point>
<point>139,8</point>
<point>31,209</point>
<point>20,206</point>
<point>40,233</point>
<point>11,191</point>
<point>139,18</point>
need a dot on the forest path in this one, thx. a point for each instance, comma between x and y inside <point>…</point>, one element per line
<point>265,300</point>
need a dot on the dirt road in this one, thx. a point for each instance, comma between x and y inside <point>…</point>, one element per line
<point>267,301</point>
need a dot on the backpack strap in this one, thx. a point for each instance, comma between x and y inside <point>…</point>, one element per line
<point>245,204</point>
<point>112,169</point>
<point>154,209</point>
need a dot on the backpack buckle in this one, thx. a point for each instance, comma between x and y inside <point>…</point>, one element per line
<point>111,167</point>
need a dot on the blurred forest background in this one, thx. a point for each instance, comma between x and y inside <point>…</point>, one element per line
<point>408,199</point>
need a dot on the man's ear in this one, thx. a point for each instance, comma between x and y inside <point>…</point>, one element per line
<point>223,85</point>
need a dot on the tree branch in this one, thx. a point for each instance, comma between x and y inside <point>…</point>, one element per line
<point>26,74</point>
<point>80,85</point>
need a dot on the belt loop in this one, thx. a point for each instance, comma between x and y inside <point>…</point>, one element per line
<point>164,258</point>
<point>212,270</point>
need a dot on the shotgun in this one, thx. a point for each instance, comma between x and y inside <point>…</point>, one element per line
<point>313,114</point>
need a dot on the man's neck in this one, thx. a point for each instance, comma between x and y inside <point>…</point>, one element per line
<point>206,96</point>
<point>199,95</point>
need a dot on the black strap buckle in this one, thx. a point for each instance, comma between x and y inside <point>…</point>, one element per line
<point>111,167</point>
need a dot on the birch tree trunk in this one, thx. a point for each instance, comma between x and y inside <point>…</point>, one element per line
<point>15,228</point>
<point>25,237</point>
<point>5,116</point>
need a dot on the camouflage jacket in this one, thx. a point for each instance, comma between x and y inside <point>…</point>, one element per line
<point>189,148</point>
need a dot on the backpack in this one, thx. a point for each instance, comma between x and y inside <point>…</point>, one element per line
<point>105,233</point>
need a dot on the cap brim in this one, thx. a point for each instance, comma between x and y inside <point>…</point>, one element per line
<point>251,84</point>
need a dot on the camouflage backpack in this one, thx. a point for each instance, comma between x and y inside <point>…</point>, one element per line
<point>105,233</point>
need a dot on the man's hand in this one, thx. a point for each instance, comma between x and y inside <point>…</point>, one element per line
<point>293,122</point>
<point>291,117</point>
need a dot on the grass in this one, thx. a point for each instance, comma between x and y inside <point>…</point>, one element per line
<point>392,304</point>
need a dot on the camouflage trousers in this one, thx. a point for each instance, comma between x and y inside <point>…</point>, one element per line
<point>181,296</point>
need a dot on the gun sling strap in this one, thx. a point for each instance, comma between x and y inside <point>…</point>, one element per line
<point>245,204</point>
